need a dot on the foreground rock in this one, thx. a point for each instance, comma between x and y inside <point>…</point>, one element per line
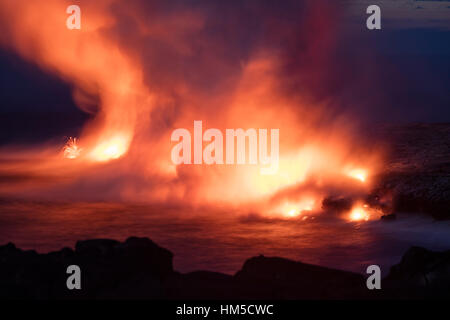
<point>140,269</point>
<point>421,274</point>
<point>134,268</point>
<point>280,278</point>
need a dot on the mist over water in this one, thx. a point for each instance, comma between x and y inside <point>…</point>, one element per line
<point>210,239</point>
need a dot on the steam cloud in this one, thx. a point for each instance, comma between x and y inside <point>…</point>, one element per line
<point>154,66</point>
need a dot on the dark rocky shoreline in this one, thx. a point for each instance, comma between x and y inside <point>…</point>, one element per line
<point>140,269</point>
<point>416,177</point>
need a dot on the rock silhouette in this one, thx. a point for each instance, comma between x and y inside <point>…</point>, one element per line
<point>140,269</point>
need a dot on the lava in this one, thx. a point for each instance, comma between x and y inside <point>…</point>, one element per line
<point>158,76</point>
<point>358,214</point>
<point>363,212</point>
<point>110,150</point>
<point>295,209</point>
<point>71,150</point>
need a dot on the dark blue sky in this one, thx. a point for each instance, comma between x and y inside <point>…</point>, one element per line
<point>414,73</point>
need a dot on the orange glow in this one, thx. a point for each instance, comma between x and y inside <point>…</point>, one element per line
<point>92,62</point>
<point>359,214</point>
<point>295,209</point>
<point>71,149</point>
<point>125,82</point>
<point>109,150</point>
<point>358,174</point>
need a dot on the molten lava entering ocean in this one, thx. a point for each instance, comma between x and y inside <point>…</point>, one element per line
<point>147,91</point>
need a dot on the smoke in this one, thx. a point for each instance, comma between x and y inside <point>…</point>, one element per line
<point>145,68</point>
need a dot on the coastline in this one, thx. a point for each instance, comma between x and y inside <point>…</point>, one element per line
<point>140,269</point>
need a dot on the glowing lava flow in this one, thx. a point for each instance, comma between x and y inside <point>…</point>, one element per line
<point>359,213</point>
<point>292,210</point>
<point>104,151</point>
<point>71,149</point>
<point>111,149</point>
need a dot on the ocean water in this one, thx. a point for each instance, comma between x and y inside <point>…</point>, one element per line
<point>221,240</point>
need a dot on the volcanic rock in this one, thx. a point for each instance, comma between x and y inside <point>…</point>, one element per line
<point>337,205</point>
<point>109,268</point>
<point>389,217</point>
<point>277,278</point>
<point>421,273</point>
<point>140,269</point>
